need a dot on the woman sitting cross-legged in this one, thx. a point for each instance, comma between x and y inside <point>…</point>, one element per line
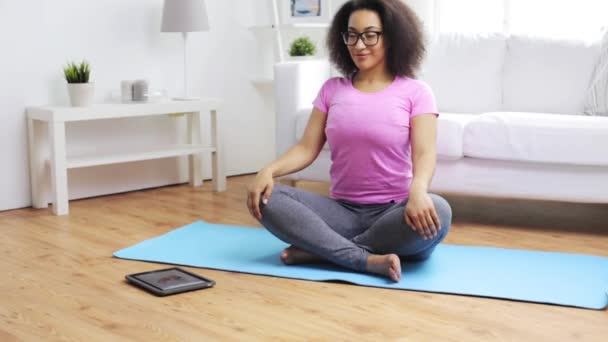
<point>381,126</point>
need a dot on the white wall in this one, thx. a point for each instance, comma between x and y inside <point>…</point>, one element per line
<point>425,9</point>
<point>121,39</point>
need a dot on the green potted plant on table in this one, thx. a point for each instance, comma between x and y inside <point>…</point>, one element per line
<point>79,88</point>
<point>302,47</point>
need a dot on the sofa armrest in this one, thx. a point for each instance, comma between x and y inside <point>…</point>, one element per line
<point>297,83</point>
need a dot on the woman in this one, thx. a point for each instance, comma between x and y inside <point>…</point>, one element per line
<point>381,126</point>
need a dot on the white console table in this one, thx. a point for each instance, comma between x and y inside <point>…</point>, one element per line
<point>53,120</point>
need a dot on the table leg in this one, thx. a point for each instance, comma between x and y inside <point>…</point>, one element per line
<point>37,167</point>
<point>217,157</point>
<point>59,174</point>
<point>195,173</point>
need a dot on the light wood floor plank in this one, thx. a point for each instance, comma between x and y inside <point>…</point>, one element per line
<point>60,282</point>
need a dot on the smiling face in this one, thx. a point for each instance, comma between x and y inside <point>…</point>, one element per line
<point>365,27</point>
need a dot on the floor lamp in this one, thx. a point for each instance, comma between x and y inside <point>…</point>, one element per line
<point>185,16</point>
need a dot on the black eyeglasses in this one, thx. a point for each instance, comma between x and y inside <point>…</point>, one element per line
<point>369,38</point>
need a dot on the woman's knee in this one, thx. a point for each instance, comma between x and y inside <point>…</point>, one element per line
<point>443,209</point>
<point>279,192</point>
<point>279,188</point>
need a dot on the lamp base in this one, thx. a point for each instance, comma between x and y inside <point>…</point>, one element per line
<point>185,98</point>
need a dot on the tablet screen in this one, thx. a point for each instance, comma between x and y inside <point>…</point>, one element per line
<point>169,279</point>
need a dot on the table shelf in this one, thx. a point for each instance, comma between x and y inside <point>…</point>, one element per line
<point>116,157</point>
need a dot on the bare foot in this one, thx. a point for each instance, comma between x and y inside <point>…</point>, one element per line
<point>293,256</point>
<point>387,265</point>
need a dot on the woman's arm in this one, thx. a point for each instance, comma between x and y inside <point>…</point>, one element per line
<point>424,141</point>
<point>296,158</point>
<point>420,212</point>
<point>305,151</point>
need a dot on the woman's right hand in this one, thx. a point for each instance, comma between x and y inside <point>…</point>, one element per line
<point>260,187</point>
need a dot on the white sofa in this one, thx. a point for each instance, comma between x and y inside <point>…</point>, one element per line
<point>510,125</point>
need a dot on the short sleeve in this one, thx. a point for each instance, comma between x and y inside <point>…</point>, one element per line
<point>322,101</point>
<point>424,101</point>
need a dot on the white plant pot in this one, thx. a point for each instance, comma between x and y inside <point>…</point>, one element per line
<point>302,58</point>
<point>81,94</point>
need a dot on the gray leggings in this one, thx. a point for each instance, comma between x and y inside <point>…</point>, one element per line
<point>346,233</point>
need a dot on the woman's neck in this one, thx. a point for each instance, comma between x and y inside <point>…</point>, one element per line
<point>375,75</point>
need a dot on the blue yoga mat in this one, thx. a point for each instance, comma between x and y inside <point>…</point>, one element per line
<point>543,277</point>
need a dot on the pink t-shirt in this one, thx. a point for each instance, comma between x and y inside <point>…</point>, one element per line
<point>369,137</point>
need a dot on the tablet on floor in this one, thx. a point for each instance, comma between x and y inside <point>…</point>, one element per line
<point>169,281</point>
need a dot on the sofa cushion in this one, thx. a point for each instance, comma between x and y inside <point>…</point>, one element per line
<point>596,102</point>
<point>449,133</point>
<point>547,76</point>
<point>538,137</point>
<point>465,71</point>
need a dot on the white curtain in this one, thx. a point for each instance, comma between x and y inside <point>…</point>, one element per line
<point>469,15</point>
<point>553,18</point>
<point>559,18</point>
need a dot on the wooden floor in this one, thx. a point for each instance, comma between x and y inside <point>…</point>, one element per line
<point>59,281</point>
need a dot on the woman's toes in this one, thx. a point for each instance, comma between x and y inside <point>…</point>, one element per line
<point>285,256</point>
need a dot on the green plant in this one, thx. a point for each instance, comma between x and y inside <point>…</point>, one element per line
<point>302,46</point>
<point>77,73</point>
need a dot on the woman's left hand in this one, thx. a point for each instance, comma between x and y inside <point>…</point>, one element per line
<point>420,214</point>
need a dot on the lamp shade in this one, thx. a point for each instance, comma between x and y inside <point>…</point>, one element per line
<point>184,16</point>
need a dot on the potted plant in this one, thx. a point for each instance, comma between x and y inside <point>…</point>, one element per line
<point>302,47</point>
<point>80,90</point>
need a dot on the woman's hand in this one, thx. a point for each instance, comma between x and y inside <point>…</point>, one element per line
<point>261,186</point>
<point>420,214</point>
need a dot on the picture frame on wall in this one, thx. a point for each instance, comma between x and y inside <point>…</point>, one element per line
<point>305,11</point>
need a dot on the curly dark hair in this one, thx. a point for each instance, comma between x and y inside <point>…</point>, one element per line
<point>402,33</point>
